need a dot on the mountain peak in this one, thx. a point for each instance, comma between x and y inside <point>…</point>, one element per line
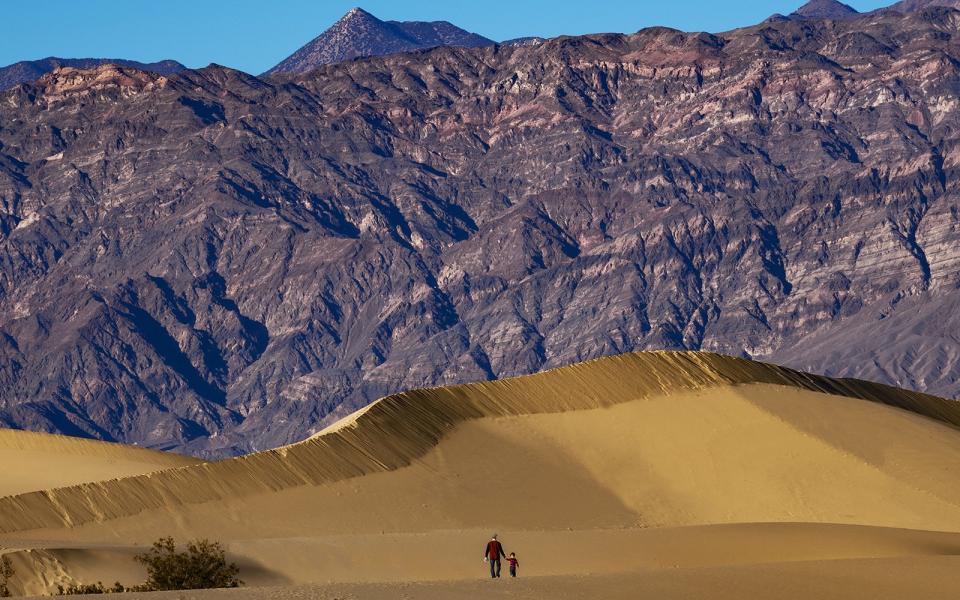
<point>358,34</point>
<point>357,13</point>
<point>825,9</point>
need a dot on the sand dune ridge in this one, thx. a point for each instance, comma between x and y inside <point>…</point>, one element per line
<point>400,428</point>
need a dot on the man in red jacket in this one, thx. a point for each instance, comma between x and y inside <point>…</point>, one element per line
<point>493,552</point>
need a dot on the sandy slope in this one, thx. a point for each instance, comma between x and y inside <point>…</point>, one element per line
<point>641,463</point>
<point>37,461</point>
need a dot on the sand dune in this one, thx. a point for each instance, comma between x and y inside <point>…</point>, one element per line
<point>38,461</point>
<point>403,427</point>
<point>639,462</point>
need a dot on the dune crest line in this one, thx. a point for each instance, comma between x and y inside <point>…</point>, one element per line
<point>19,439</point>
<point>397,429</point>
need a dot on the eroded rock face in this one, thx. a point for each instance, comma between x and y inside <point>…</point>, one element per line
<point>30,70</point>
<point>222,263</point>
<point>105,80</point>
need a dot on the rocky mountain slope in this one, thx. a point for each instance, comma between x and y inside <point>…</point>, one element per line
<point>915,5</point>
<point>215,262</point>
<point>838,11</point>
<point>360,34</point>
<point>30,70</point>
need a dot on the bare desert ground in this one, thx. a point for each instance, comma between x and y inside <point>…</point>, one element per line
<point>667,475</point>
<point>884,579</point>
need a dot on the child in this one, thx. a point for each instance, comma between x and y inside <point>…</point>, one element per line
<point>514,563</point>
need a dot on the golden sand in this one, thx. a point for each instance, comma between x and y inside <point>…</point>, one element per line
<point>38,461</point>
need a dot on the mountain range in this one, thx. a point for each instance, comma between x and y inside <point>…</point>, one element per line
<point>213,262</point>
<point>908,6</point>
<point>359,34</point>
<point>29,70</point>
<point>838,11</point>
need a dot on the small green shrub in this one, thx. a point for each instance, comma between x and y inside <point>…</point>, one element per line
<point>202,566</point>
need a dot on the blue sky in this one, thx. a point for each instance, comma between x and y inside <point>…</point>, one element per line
<point>253,36</point>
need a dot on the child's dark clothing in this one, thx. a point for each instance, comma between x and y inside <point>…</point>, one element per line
<point>514,563</point>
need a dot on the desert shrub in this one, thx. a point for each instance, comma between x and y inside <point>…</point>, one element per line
<point>6,574</point>
<point>202,566</point>
<point>90,588</point>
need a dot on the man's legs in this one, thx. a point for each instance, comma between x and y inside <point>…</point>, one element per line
<point>493,573</point>
<point>495,568</point>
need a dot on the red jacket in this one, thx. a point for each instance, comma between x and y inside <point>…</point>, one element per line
<point>494,550</point>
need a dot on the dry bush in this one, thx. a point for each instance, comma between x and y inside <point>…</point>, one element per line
<point>91,588</point>
<point>202,566</point>
<point>6,574</point>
